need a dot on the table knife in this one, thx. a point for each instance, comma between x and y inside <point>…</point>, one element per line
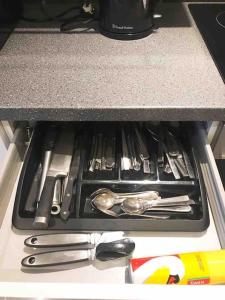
<point>143,151</point>
<point>73,174</point>
<point>110,151</point>
<point>59,168</point>
<point>103,252</point>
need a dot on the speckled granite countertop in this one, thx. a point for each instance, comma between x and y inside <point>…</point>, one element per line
<point>169,75</point>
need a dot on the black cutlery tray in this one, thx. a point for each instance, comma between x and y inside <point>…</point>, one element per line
<point>85,217</point>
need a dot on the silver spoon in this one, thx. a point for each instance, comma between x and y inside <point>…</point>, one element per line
<point>152,216</point>
<point>152,194</point>
<point>105,199</point>
<point>139,206</point>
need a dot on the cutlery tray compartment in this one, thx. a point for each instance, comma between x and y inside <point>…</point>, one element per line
<point>85,217</point>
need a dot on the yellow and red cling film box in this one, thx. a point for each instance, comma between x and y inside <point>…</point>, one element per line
<point>195,268</point>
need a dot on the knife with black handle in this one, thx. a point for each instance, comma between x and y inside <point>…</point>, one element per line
<point>31,202</point>
<point>73,174</point>
<point>103,252</point>
<point>59,168</point>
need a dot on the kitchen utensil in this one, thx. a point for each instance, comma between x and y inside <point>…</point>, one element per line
<point>106,201</point>
<point>137,161</point>
<point>181,166</point>
<point>94,149</point>
<point>48,145</point>
<point>57,197</point>
<point>152,194</point>
<point>98,158</point>
<point>105,198</point>
<point>172,144</point>
<point>110,152</point>
<point>59,168</point>
<point>73,174</point>
<point>102,246</point>
<point>187,161</point>
<point>125,160</point>
<point>171,163</point>
<point>31,203</point>
<point>62,239</point>
<point>143,151</point>
<point>127,214</point>
<point>131,153</point>
<point>103,162</point>
<point>102,252</point>
<point>139,206</point>
<point>71,239</point>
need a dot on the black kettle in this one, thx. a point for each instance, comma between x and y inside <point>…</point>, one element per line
<point>126,19</point>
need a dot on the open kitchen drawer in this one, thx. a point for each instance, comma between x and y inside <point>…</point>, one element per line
<point>107,280</point>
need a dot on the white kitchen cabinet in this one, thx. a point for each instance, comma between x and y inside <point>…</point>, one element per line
<point>105,280</point>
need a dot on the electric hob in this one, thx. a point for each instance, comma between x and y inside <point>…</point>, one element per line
<point>210,20</point>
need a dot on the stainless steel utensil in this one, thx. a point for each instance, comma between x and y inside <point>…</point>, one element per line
<point>104,199</point>
<point>69,188</point>
<point>110,152</point>
<point>148,194</point>
<point>126,214</point>
<point>143,151</point>
<point>125,160</point>
<point>98,158</point>
<point>59,168</point>
<point>32,199</point>
<point>57,197</point>
<point>171,163</point>
<point>62,239</point>
<point>139,206</point>
<point>94,150</point>
<point>103,247</point>
<point>48,146</point>
<point>187,161</point>
<point>103,252</point>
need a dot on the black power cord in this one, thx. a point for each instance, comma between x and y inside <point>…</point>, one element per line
<point>59,18</point>
<point>83,16</point>
<point>85,21</point>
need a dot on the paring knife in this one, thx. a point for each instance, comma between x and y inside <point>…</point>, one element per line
<point>73,173</point>
<point>103,252</point>
<point>59,168</point>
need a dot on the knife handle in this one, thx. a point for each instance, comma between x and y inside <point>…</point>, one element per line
<point>67,198</point>
<point>32,198</point>
<point>54,258</point>
<point>60,240</point>
<point>43,211</point>
<point>115,249</point>
<point>50,137</point>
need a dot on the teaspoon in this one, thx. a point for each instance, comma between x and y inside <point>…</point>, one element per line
<point>106,199</point>
<point>139,206</point>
